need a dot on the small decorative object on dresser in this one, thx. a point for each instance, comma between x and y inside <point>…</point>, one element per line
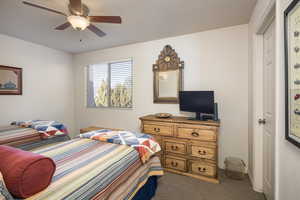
<point>163,115</point>
<point>189,147</point>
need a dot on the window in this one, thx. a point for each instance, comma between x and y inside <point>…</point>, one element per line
<point>110,85</point>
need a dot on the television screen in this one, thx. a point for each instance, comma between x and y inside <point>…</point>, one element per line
<point>197,101</point>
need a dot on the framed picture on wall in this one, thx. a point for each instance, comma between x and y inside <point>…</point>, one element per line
<point>10,80</point>
<point>292,72</point>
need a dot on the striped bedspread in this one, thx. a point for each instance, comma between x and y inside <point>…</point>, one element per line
<point>15,135</point>
<point>89,169</point>
<point>46,128</point>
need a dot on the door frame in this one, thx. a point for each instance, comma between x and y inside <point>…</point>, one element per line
<point>267,18</point>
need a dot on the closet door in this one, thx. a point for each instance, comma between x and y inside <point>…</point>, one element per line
<point>269,112</point>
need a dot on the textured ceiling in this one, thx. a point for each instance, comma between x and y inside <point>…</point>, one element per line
<point>143,20</point>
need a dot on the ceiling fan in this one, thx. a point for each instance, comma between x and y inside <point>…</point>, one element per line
<point>79,18</point>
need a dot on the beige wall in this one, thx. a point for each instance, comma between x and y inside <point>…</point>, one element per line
<point>48,91</point>
<point>214,60</point>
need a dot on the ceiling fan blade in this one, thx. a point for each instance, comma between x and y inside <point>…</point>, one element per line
<point>106,19</point>
<point>96,30</point>
<point>63,26</point>
<point>44,8</point>
<point>76,6</point>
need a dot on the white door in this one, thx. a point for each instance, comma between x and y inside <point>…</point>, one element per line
<point>269,112</point>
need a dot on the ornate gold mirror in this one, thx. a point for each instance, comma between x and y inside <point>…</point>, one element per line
<point>168,73</point>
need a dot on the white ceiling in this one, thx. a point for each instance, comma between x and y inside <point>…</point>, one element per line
<point>143,20</point>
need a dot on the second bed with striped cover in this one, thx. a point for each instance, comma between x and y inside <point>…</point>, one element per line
<point>89,169</point>
<point>16,136</point>
<point>26,138</point>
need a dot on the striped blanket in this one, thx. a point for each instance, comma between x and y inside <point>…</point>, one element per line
<point>89,169</point>
<point>46,128</point>
<point>143,143</point>
<point>16,136</point>
<point>26,138</point>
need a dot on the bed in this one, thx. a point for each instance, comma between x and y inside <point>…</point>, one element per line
<point>90,169</point>
<point>26,138</point>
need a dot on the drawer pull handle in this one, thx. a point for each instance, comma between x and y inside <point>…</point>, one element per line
<point>202,152</point>
<point>156,129</point>
<point>174,164</point>
<point>174,148</point>
<point>201,169</point>
<point>195,134</point>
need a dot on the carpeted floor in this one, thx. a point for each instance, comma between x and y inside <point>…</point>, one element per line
<point>176,187</point>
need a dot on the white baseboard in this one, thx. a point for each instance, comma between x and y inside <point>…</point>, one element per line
<point>260,190</point>
<point>254,187</point>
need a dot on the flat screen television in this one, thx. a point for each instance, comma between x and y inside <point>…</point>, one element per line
<point>200,102</point>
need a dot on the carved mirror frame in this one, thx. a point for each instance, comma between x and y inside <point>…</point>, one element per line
<point>168,60</point>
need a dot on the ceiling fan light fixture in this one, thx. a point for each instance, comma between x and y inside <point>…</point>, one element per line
<point>78,22</point>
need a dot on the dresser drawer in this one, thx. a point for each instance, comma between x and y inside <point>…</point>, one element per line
<point>157,129</point>
<point>203,152</point>
<point>175,147</point>
<point>175,163</point>
<point>197,134</point>
<point>202,168</point>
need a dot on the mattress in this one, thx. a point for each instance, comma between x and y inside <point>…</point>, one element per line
<point>89,169</point>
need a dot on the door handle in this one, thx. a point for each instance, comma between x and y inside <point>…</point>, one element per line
<point>262,121</point>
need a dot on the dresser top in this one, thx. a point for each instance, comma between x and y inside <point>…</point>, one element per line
<point>180,119</point>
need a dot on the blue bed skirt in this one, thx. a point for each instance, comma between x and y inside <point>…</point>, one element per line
<point>148,190</point>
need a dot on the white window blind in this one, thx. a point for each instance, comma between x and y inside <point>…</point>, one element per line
<point>110,85</point>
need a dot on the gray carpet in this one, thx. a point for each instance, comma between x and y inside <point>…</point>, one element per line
<point>176,187</point>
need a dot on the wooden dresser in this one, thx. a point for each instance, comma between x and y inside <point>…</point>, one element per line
<point>189,147</point>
